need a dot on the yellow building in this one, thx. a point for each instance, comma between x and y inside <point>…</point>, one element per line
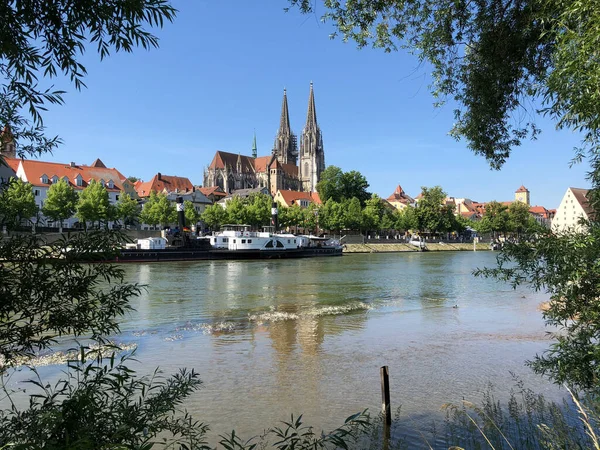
<point>522,195</point>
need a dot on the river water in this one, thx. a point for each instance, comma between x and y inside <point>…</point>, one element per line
<point>272,338</point>
<point>308,336</point>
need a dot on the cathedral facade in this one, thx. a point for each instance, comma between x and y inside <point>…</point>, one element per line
<point>287,168</point>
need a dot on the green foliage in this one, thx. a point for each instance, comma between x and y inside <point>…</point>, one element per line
<point>495,219</point>
<point>338,185</point>
<point>372,214</point>
<point>61,202</point>
<point>566,267</point>
<point>547,53</point>
<point>17,202</point>
<point>103,404</point>
<point>214,216</point>
<point>519,218</point>
<point>158,210</point>
<point>406,219</point>
<point>258,207</point>
<point>93,205</point>
<point>192,217</point>
<point>45,296</point>
<point>292,216</point>
<point>128,209</point>
<point>353,219</point>
<point>432,213</point>
<point>46,40</point>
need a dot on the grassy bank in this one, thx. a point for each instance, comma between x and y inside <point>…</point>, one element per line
<point>388,248</point>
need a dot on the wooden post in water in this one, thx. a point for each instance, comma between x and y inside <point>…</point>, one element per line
<point>385,395</point>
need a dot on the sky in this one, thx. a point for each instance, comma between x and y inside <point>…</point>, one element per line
<point>219,76</point>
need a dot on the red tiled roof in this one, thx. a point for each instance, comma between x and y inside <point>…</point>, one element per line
<point>290,169</point>
<point>522,189</point>
<point>13,163</point>
<point>400,196</point>
<point>223,159</point>
<point>261,163</point>
<point>35,169</point>
<point>215,191</point>
<point>538,210</point>
<point>160,183</point>
<point>292,196</point>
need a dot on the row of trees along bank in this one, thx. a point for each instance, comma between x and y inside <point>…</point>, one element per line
<point>91,205</point>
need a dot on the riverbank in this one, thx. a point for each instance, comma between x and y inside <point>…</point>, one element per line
<point>392,248</point>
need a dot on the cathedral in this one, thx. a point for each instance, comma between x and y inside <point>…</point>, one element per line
<point>287,168</point>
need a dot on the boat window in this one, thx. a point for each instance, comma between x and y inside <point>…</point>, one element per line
<point>289,241</point>
<point>294,241</point>
<point>269,244</point>
<point>243,241</point>
<point>280,244</point>
<point>249,241</point>
<point>225,239</point>
<point>234,241</point>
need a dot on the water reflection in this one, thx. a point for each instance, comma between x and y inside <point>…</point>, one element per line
<point>275,337</point>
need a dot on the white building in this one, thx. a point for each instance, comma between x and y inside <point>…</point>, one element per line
<point>573,207</point>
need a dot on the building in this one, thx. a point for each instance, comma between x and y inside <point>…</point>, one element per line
<point>400,199</point>
<point>8,165</point>
<point>291,198</point>
<point>41,175</point>
<point>522,195</point>
<point>172,186</point>
<point>573,207</point>
<point>287,168</point>
<point>214,194</point>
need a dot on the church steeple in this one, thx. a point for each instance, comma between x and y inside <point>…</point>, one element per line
<point>285,147</point>
<point>254,149</point>
<point>312,157</point>
<point>311,115</point>
<point>284,122</point>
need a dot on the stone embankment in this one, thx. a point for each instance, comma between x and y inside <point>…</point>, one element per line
<point>389,248</point>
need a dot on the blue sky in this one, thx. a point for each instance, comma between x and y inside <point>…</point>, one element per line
<point>219,74</point>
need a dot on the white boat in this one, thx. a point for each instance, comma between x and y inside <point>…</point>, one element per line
<point>239,237</point>
<point>417,241</point>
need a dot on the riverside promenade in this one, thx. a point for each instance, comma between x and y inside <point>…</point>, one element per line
<point>398,247</point>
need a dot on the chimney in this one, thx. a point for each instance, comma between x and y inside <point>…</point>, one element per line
<point>73,164</point>
<point>159,176</point>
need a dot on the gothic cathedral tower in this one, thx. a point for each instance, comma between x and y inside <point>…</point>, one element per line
<point>312,157</point>
<point>286,147</point>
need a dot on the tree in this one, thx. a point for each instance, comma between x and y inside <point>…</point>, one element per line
<point>214,216</point>
<point>128,209</point>
<point>237,211</point>
<point>352,214</point>
<point>519,217</point>
<point>338,185</point>
<point>17,202</point>
<point>192,217</point>
<point>61,202</point>
<point>158,210</point>
<point>133,179</point>
<point>433,215</point>
<point>330,184</point>
<point>258,209</point>
<point>372,213</point>
<point>406,219</point>
<point>495,219</point>
<point>93,205</point>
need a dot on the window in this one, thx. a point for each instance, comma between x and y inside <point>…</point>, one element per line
<point>280,244</point>
<point>36,192</point>
<point>54,179</point>
<point>111,184</point>
<point>243,241</point>
<point>249,241</point>
<point>117,197</point>
<point>269,244</point>
<point>289,241</point>
<point>44,179</point>
<point>234,241</point>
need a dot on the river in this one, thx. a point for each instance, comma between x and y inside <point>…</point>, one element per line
<point>271,338</point>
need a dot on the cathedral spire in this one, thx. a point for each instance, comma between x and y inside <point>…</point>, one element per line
<point>284,123</point>
<point>311,115</point>
<point>254,149</point>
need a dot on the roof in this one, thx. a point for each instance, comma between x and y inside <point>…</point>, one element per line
<point>215,191</point>
<point>292,196</point>
<point>540,210</point>
<point>34,170</point>
<point>223,159</point>
<point>98,163</point>
<point>13,163</point>
<point>522,189</point>
<point>400,196</point>
<point>581,196</point>
<point>290,169</point>
<point>261,163</point>
<point>160,183</point>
